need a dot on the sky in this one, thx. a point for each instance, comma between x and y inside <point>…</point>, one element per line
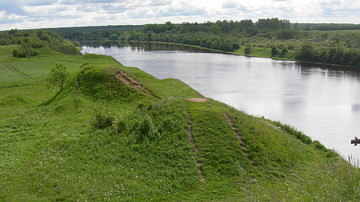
<point>31,14</point>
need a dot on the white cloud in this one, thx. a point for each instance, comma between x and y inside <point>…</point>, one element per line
<point>47,13</point>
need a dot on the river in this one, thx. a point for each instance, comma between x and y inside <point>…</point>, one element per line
<point>323,102</point>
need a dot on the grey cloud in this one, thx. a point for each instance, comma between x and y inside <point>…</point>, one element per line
<point>97,1</point>
<point>39,2</point>
<point>181,12</point>
<point>80,2</point>
<point>230,4</point>
<point>160,3</point>
<point>340,9</point>
<point>10,21</point>
<point>340,12</point>
<point>26,13</point>
<point>68,2</point>
<point>11,6</point>
<point>115,7</point>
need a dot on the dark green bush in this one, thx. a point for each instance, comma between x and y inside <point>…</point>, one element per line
<point>274,51</point>
<point>283,52</point>
<point>24,51</point>
<point>145,131</point>
<point>102,120</point>
<point>121,126</point>
<point>247,50</point>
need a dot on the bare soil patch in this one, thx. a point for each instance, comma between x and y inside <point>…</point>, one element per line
<point>197,99</point>
<point>130,81</point>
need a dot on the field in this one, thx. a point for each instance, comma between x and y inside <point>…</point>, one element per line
<point>117,133</point>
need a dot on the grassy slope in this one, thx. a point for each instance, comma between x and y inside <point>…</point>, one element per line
<point>53,152</point>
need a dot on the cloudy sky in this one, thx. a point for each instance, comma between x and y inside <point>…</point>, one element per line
<point>25,14</point>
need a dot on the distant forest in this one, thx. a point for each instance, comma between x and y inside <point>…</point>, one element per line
<point>276,38</point>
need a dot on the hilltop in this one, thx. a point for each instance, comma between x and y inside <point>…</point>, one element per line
<point>118,133</point>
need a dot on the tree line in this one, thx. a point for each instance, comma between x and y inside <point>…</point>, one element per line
<point>210,41</point>
<point>278,35</point>
<point>336,55</point>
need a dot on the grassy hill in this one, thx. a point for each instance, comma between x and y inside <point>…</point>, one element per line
<point>118,133</point>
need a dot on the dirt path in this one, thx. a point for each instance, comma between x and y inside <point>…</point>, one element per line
<point>197,99</point>
<point>77,86</point>
<point>198,163</point>
<point>130,81</point>
<point>238,135</point>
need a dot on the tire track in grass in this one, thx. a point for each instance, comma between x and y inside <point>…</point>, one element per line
<point>238,135</point>
<point>16,71</point>
<point>198,163</point>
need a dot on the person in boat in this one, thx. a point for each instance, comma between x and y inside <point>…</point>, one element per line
<point>355,141</point>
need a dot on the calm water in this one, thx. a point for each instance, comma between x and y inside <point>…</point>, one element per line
<point>322,102</point>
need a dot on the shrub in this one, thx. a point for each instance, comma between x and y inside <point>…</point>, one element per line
<point>24,51</point>
<point>283,52</point>
<point>145,131</point>
<point>247,50</point>
<point>274,51</point>
<point>58,76</point>
<point>102,120</point>
<point>121,125</point>
<point>67,48</point>
<point>37,44</point>
<point>235,46</point>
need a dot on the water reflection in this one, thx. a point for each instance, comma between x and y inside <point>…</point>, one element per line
<point>141,46</point>
<point>321,101</point>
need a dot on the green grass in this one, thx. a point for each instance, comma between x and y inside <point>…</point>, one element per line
<point>52,147</point>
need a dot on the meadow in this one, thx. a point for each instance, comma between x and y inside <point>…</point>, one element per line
<point>104,138</point>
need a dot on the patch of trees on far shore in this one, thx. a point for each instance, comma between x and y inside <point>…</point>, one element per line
<point>324,43</point>
<point>336,55</point>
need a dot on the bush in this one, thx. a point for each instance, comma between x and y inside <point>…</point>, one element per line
<point>283,52</point>
<point>58,76</point>
<point>37,44</point>
<point>121,125</point>
<point>67,48</point>
<point>24,51</point>
<point>235,46</point>
<point>102,120</point>
<point>274,51</point>
<point>247,50</point>
<point>145,131</point>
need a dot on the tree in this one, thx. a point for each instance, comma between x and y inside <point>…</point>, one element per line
<point>274,51</point>
<point>306,53</point>
<point>25,50</point>
<point>58,76</point>
<point>283,52</point>
<point>247,50</point>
